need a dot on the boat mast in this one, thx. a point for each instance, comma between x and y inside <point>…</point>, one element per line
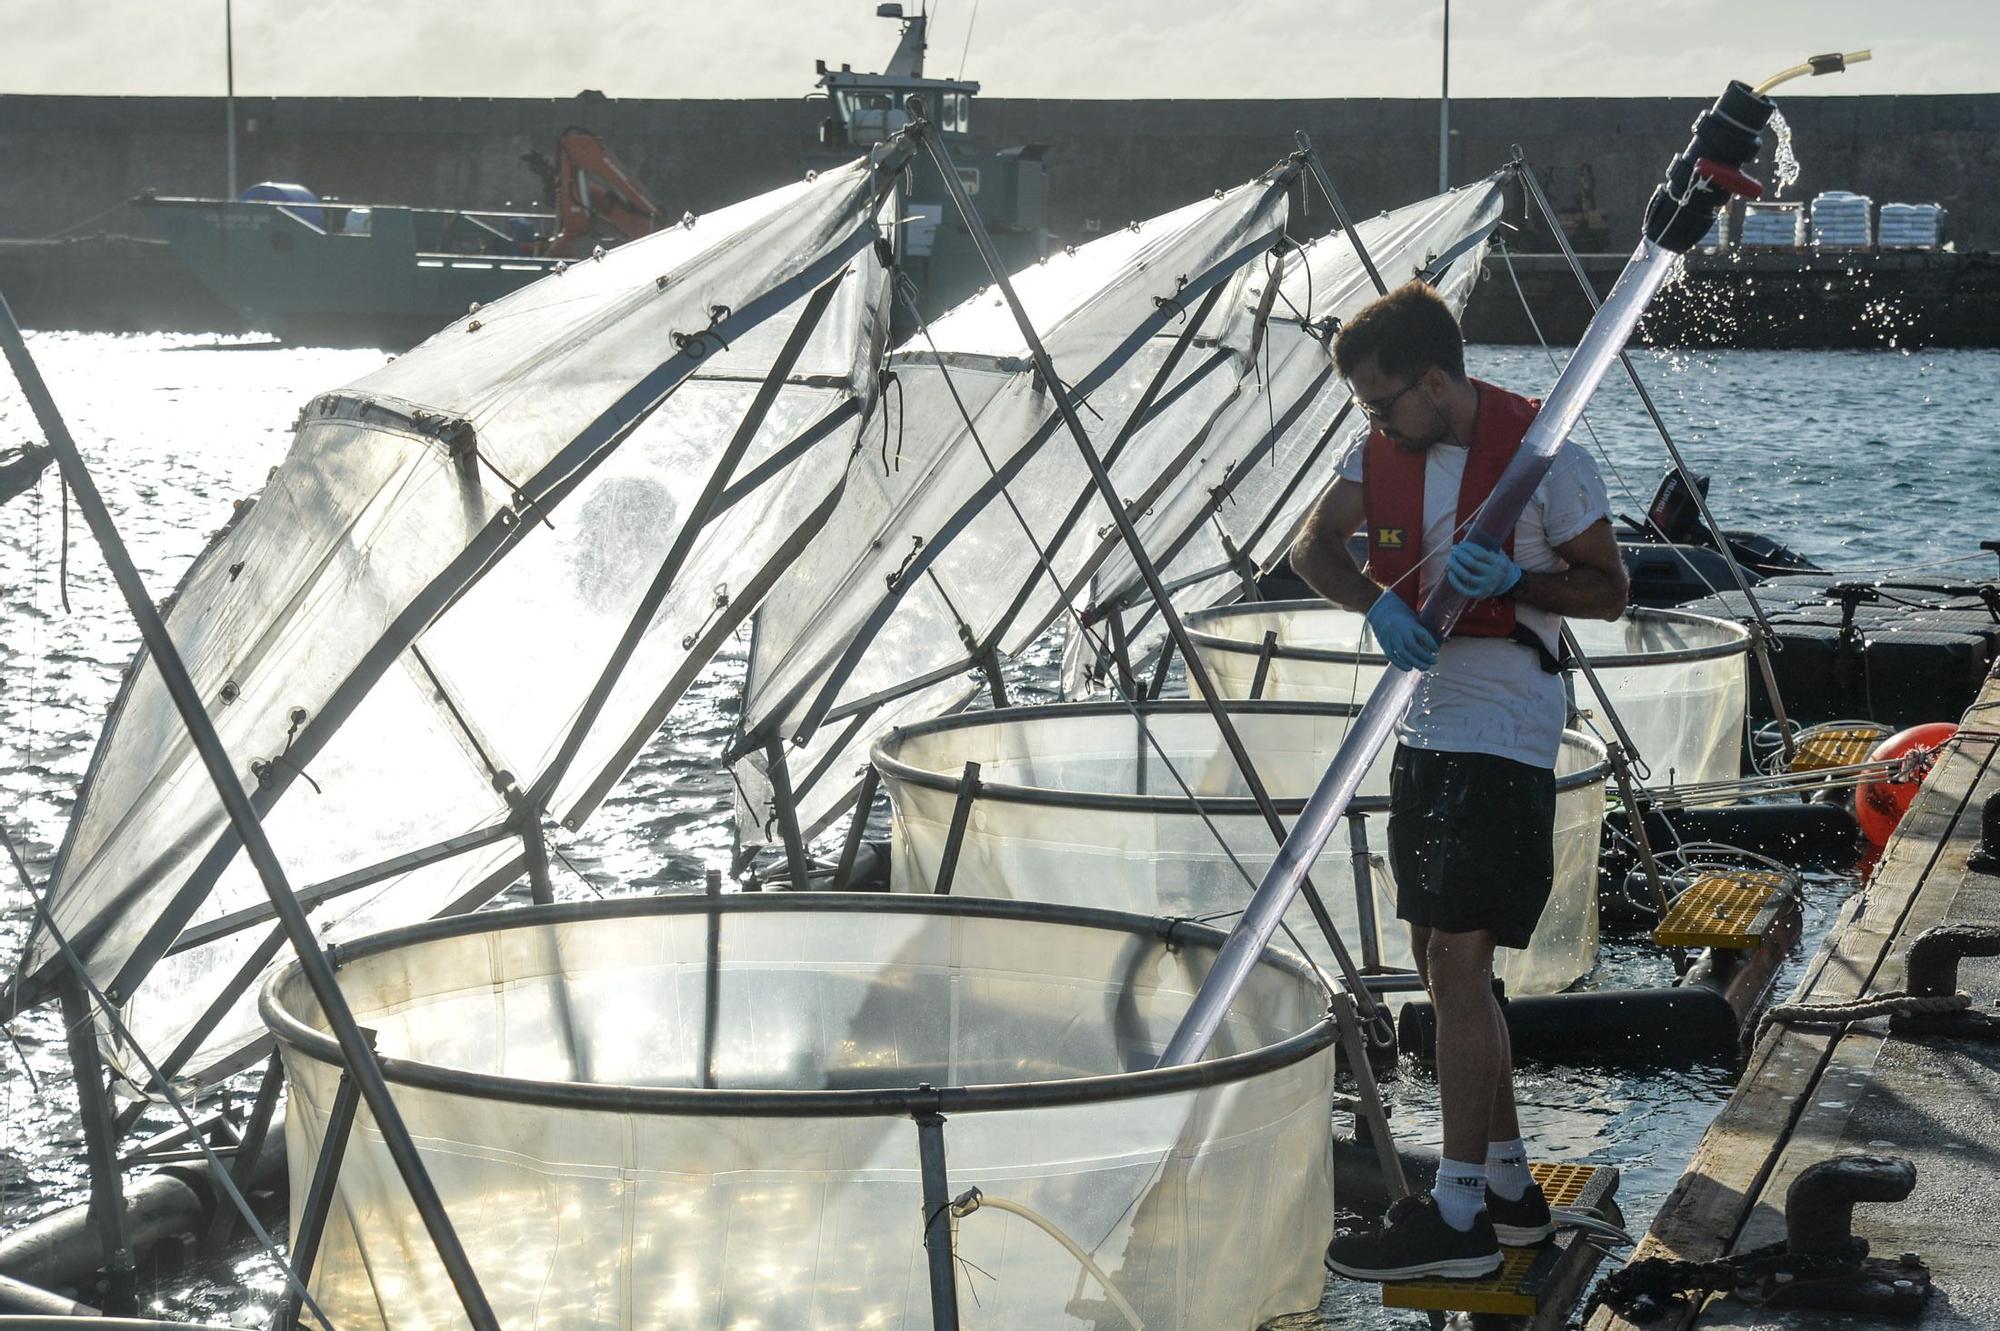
<point>229,89</point>
<point>1444,107</point>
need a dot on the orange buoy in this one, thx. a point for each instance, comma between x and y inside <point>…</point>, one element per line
<point>1880,805</point>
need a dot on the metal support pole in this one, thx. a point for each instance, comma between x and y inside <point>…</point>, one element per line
<point>996,683</point>
<point>1160,668</point>
<point>699,514</point>
<point>107,1190</point>
<point>1264,653</point>
<point>229,93</point>
<point>1598,691</point>
<point>711,1008</point>
<point>1372,1114</point>
<point>541,889</point>
<point>1142,412</point>
<point>1763,624</point>
<point>954,840</point>
<point>788,813</point>
<point>1364,893</point>
<point>1444,106</point>
<point>1761,639</point>
<point>165,658</point>
<point>1121,652</point>
<point>857,830</point>
<point>1621,772</point>
<point>248,1148</point>
<point>1325,181</point>
<point>1141,755</point>
<point>319,1196</point>
<point>1204,686</point>
<point>1239,563</point>
<point>937,1221</point>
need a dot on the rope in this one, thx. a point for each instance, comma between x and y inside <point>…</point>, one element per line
<point>1861,1009</point>
<point>1907,568</point>
<point>94,217</point>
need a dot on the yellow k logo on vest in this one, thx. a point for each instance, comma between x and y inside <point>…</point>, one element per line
<point>1389,538</point>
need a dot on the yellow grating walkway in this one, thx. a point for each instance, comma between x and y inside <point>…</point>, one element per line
<point>1821,747</point>
<point>1515,1289</point>
<point>1732,909</point>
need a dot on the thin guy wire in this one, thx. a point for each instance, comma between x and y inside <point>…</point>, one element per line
<point>1507,259</point>
<point>1047,566</point>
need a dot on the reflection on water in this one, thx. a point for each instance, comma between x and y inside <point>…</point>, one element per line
<point>1854,458</point>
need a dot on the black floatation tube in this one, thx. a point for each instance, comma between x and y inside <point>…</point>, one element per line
<point>1699,182</point>
<point>1699,1020</point>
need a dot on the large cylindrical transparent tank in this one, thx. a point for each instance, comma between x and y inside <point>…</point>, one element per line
<point>688,1112</point>
<point>1080,803</point>
<point>1677,680</point>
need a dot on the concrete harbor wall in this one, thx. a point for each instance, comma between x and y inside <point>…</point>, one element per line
<point>70,159</point>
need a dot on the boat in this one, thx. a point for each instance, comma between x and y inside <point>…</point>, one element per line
<point>339,273</point>
<point>321,272</point>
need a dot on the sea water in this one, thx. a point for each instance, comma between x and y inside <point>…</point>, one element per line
<point>1867,461</point>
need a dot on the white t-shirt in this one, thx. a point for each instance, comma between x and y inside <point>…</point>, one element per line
<point>1491,695</point>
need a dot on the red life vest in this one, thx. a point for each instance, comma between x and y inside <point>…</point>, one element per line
<point>1392,482</point>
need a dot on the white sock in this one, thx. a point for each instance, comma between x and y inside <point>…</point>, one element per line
<point>1460,1192</point>
<point>1507,1169</point>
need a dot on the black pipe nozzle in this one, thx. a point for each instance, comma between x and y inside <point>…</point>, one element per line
<point>1728,134</point>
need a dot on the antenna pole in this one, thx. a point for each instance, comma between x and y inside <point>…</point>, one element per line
<point>1444,108</point>
<point>229,92</point>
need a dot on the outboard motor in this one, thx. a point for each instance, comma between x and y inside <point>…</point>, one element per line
<point>1673,514</point>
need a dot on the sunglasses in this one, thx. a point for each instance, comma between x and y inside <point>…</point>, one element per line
<point>1377,409</point>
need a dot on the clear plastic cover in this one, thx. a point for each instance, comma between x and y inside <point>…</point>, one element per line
<point>1205,1209</point>
<point>391,569</point>
<point>1272,449</point>
<point>1678,681</point>
<point>1035,833</point>
<point>927,564</point>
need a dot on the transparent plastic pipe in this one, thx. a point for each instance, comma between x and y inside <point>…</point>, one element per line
<point>975,1200</point>
<point>1594,356</point>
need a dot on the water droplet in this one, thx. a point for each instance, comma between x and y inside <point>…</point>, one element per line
<point>1785,162</point>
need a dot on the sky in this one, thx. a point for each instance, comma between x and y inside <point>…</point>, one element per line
<point>1017,48</point>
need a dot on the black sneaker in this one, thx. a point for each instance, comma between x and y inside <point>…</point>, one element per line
<point>1521,1222</point>
<point>1414,1241</point>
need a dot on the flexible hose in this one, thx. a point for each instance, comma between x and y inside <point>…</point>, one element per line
<point>974,1200</point>
<point>1819,64</point>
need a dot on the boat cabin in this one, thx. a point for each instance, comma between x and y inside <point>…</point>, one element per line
<point>865,109</point>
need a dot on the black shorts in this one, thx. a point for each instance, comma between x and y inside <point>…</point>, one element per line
<point>1471,842</point>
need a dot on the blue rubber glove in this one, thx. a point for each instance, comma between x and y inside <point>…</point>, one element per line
<point>1479,572</point>
<point>1402,637</point>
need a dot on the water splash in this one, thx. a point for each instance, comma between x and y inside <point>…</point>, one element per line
<point>1785,162</point>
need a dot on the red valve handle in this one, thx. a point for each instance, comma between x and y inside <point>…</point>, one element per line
<point>1729,178</point>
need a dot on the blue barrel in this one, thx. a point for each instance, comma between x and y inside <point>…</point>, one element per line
<point>275,191</point>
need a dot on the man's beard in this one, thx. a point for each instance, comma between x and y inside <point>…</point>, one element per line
<point>1405,444</point>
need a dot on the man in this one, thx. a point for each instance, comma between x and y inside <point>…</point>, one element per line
<point>1472,790</point>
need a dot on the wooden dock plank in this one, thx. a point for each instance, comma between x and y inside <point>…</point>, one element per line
<point>1739,1159</point>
